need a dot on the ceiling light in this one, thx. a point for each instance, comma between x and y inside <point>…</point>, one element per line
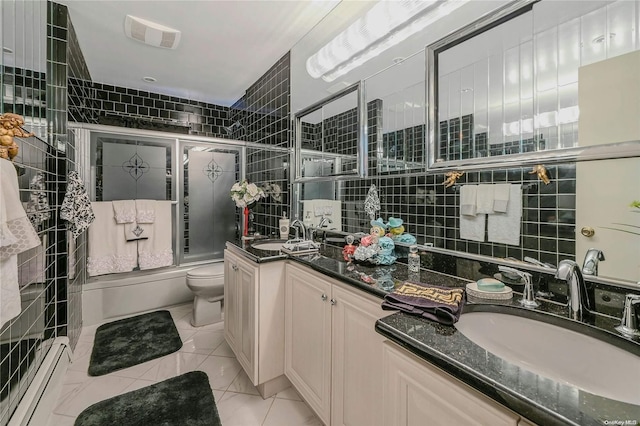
<point>149,79</point>
<point>386,24</point>
<point>7,50</point>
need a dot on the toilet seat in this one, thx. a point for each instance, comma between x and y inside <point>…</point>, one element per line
<point>206,272</point>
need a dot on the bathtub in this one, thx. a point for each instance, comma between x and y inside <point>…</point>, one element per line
<point>110,297</point>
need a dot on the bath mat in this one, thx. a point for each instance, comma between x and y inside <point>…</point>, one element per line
<point>132,341</point>
<point>181,400</point>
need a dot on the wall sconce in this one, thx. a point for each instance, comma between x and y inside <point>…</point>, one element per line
<point>386,24</point>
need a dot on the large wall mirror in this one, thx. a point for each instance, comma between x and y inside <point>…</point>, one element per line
<point>508,84</point>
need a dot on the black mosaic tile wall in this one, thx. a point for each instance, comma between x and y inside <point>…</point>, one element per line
<point>92,102</point>
<point>431,212</point>
<point>406,144</point>
<point>262,116</point>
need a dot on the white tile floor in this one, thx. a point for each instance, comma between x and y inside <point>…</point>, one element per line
<point>204,349</point>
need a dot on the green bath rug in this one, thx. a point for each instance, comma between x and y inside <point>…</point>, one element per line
<point>182,400</point>
<point>132,341</point>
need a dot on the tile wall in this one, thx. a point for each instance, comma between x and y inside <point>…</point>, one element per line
<point>262,116</point>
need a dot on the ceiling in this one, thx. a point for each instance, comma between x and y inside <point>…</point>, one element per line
<point>224,48</point>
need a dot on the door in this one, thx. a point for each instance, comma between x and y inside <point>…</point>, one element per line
<point>247,285</point>
<point>308,338</point>
<point>604,190</point>
<point>357,357</point>
<point>231,308</point>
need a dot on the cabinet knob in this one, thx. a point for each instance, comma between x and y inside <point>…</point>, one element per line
<point>324,297</point>
<point>587,231</point>
<point>234,267</point>
<point>333,301</point>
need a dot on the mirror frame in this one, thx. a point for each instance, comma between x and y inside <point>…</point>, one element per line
<point>484,23</point>
<point>362,138</point>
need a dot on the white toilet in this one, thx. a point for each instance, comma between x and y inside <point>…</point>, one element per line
<point>207,284</point>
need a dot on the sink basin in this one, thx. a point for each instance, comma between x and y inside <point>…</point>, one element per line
<point>562,355</point>
<point>269,245</point>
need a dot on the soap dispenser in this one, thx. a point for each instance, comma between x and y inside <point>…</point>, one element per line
<point>283,225</point>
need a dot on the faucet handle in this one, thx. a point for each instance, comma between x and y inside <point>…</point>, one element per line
<point>629,324</point>
<point>528,297</point>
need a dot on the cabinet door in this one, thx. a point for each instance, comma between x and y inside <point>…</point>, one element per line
<point>357,359</point>
<point>308,338</point>
<point>246,344</point>
<point>416,393</point>
<point>231,308</point>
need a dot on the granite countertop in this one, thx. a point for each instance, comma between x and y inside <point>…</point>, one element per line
<point>537,398</point>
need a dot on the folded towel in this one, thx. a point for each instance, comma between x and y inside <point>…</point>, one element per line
<point>468,200</point>
<point>505,227</point>
<point>134,231</point>
<point>484,198</point>
<point>108,252</point>
<point>441,304</point>
<point>501,197</point>
<point>156,251</point>
<point>124,211</point>
<point>145,211</point>
<point>472,227</point>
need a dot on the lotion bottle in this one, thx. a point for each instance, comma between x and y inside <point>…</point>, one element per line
<point>283,225</point>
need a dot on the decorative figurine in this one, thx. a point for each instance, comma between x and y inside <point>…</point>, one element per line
<point>10,127</point>
<point>542,173</point>
<point>349,249</point>
<point>451,178</point>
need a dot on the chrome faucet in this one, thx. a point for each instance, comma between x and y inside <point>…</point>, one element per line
<point>528,298</point>
<point>590,265</point>
<point>303,229</point>
<point>324,222</point>
<point>629,324</point>
<point>578,302</point>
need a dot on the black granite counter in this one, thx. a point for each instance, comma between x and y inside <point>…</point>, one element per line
<point>537,398</point>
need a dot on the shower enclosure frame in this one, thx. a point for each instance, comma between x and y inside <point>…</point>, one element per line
<point>86,133</point>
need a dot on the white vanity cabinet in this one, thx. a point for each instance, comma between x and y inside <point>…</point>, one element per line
<point>333,355</point>
<point>254,319</point>
<point>417,393</point>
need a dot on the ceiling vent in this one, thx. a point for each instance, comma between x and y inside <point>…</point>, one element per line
<point>151,33</point>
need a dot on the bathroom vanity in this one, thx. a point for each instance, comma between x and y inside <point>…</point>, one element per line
<point>354,363</point>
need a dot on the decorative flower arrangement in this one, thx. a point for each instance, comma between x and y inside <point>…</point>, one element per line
<point>274,191</point>
<point>245,193</point>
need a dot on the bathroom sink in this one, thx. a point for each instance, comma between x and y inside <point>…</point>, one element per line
<point>269,245</point>
<point>557,353</point>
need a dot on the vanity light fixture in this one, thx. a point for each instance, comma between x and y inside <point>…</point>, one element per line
<point>386,24</point>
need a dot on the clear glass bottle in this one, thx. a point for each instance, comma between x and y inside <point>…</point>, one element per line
<point>414,259</point>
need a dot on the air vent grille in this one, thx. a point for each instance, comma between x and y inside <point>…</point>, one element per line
<point>151,33</point>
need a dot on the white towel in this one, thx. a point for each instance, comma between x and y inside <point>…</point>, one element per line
<point>472,227</point>
<point>156,251</point>
<point>16,236</point>
<point>468,200</point>
<point>505,227</point>
<point>109,252</point>
<point>145,211</point>
<point>484,199</point>
<point>501,197</point>
<point>31,264</point>
<point>136,231</point>
<point>124,211</point>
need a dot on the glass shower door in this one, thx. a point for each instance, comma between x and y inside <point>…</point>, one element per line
<point>209,215</point>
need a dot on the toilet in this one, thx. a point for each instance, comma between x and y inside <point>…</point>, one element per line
<point>207,284</point>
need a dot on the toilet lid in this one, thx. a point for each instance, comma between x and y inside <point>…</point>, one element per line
<point>207,271</point>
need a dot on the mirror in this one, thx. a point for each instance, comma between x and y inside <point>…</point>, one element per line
<point>508,85</point>
<point>334,132</point>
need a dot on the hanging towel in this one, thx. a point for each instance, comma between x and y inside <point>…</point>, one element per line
<point>505,227</point>
<point>109,252</point>
<point>441,304</point>
<point>16,236</point>
<point>156,251</point>
<point>38,205</point>
<point>31,264</point>
<point>76,206</point>
<point>468,200</point>
<point>484,198</point>
<point>501,197</point>
<point>124,211</point>
<point>472,227</point>
<point>145,211</point>
<point>71,256</point>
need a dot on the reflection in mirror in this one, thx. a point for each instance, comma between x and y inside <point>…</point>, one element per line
<point>511,87</point>
<point>395,101</point>
<point>333,133</point>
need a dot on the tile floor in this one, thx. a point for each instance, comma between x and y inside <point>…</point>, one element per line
<point>204,349</point>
